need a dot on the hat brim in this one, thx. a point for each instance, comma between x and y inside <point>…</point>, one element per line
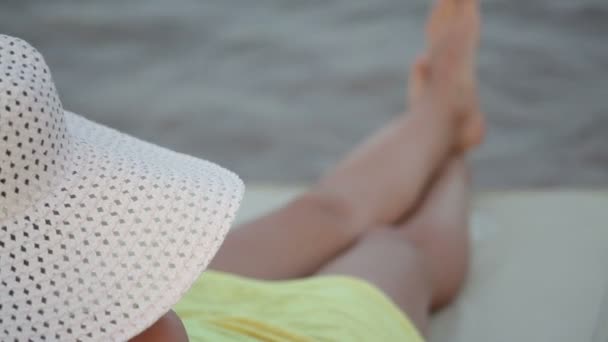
<point>125,234</point>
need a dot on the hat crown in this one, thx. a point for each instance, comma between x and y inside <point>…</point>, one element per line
<point>33,139</point>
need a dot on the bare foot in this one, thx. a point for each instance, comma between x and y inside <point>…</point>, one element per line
<point>446,74</point>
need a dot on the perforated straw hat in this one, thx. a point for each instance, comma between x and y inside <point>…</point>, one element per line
<point>100,233</point>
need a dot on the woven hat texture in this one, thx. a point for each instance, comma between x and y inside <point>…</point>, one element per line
<point>100,233</point>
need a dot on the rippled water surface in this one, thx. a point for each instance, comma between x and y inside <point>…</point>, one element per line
<point>278,90</point>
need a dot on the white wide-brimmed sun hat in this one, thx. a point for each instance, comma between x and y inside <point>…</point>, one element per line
<point>100,233</point>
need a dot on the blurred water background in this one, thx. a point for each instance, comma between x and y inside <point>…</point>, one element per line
<point>278,90</point>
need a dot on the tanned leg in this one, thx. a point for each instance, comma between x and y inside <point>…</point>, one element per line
<point>420,264</point>
<point>373,186</point>
<point>384,178</point>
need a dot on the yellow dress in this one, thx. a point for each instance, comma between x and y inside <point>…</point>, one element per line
<point>224,307</point>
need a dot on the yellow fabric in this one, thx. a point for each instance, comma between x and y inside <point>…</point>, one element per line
<point>223,307</point>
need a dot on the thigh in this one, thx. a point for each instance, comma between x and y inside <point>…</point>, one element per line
<point>291,242</point>
<point>386,259</point>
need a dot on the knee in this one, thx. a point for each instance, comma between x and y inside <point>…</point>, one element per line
<point>446,247</point>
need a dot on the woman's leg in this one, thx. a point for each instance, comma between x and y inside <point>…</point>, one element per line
<point>381,180</point>
<point>372,187</point>
<point>420,264</point>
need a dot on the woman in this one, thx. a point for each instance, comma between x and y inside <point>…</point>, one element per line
<point>368,253</point>
<point>394,213</point>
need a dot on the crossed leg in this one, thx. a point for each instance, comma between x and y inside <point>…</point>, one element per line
<point>375,186</point>
<point>350,222</point>
<point>421,263</point>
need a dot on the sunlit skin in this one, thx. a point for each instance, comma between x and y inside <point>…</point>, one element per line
<point>429,270</point>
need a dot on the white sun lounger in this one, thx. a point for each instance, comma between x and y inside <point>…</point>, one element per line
<point>539,269</point>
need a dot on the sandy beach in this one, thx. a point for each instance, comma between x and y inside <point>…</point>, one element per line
<point>278,90</point>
